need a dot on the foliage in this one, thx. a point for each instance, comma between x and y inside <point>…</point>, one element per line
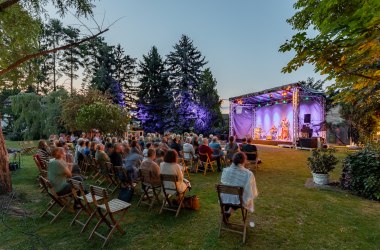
<point>362,124</point>
<point>210,102</point>
<point>105,64</point>
<point>346,48</point>
<point>322,161</point>
<point>18,38</point>
<point>75,102</point>
<point>106,117</point>
<point>27,108</point>
<point>37,116</point>
<point>361,172</point>
<point>52,110</point>
<point>312,84</point>
<point>154,96</point>
<point>185,65</point>
<point>81,7</point>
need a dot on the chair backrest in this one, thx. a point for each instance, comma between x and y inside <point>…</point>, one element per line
<point>50,190</point>
<point>77,186</point>
<point>204,157</point>
<point>38,164</point>
<point>169,178</point>
<point>232,190</point>
<point>101,192</point>
<point>251,156</point>
<point>146,176</point>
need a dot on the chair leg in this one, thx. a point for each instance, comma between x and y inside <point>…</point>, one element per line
<point>163,204</point>
<point>60,211</point>
<point>96,227</point>
<point>88,221</point>
<point>76,216</point>
<point>52,203</point>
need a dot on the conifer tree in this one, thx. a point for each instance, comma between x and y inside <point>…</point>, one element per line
<point>185,65</point>
<point>154,96</point>
<point>209,101</point>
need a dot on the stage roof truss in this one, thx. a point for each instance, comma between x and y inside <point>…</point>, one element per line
<point>282,94</point>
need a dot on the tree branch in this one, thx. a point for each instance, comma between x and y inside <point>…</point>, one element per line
<point>7,4</point>
<point>45,52</point>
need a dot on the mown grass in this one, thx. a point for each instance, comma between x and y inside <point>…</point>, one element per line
<point>287,216</point>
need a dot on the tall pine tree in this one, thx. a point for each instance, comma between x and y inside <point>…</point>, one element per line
<point>210,103</point>
<point>154,96</point>
<point>185,65</point>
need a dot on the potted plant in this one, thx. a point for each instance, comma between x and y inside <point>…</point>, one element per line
<point>321,162</point>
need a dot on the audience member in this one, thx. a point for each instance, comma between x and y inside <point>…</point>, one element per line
<point>150,165</point>
<point>250,148</point>
<point>205,149</point>
<point>43,152</point>
<point>238,175</point>
<point>231,148</point>
<point>171,167</point>
<point>116,157</point>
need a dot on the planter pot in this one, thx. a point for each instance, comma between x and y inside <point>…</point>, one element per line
<point>321,179</point>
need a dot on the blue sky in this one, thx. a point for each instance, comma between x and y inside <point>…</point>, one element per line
<point>240,38</point>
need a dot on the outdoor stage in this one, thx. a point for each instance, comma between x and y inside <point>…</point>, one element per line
<point>280,115</point>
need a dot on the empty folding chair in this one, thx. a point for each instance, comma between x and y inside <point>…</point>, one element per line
<point>84,201</point>
<point>107,212</point>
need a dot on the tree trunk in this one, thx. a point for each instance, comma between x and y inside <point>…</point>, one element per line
<point>5,176</point>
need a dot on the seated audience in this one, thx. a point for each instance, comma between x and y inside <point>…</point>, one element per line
<point>215,146</point>
<point>205,149</point>
<point>132,163</point>
<point>102,158</point>
<point>243,143</point>
<point>171,167</point>
<point>238,175</point>
<point>135,147</point>
<point>176,146</point>
<point>160,154</point>
<point>93,145</point>
<point>86,150</point>
<point>249,148</point>
<point>145,151</point>
<point>116,157</point>
<point>188,149</point>
<point>43,152</point>
<point>149,164</point>
<point>231,148</point>
<point>59,171</point>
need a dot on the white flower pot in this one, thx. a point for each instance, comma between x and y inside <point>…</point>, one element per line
<point>321,179</point>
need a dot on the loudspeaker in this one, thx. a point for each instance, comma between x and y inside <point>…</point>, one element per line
<point>306,118</point>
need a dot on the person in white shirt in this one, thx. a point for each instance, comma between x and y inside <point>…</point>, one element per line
<point>188,149</point>
<point>238,175</point>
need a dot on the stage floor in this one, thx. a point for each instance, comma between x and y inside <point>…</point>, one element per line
<point>272,142</point>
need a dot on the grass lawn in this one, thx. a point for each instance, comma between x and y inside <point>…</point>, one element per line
<point>287,216</point>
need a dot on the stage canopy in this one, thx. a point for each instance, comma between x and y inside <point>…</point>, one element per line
<point>281,114</point>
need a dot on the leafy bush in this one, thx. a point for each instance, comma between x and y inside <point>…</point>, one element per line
<point>322,161</point>
<point>361,172</point>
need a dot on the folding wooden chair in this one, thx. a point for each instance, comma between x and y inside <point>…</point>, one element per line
<point>63,201</point>
<point>147,185</point>
<point>180,195</point>
<point>113,179</point>
<point>84,200</point>
<point>185,168</point>
<point>206,162</point>
<point>107,212</point>
<point>224,224</point>
<point>253,162</point>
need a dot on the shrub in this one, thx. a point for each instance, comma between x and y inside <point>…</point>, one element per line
<point>361,172</point>
<point>322,161</point>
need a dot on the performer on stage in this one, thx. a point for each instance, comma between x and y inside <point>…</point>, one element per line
<point>273,132</point>
<point>284,129</point>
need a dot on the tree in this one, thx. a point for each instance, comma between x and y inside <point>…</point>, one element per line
<point>154,95</point>
<point>185,65</point>
<point>26,40</point>
<point>312,84</point>
<point>71,58</point>
<point>75,102</point>
<point>346,48</point>
<point>106,117</point>
<point>210,102</point>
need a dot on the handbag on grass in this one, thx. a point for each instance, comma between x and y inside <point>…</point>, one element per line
<point>191,202</point>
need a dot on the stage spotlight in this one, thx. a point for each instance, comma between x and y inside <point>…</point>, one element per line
<point>284,101</point>
<point>268,104</point>
<point>276,102</point>
<point>271,95</point>
<point>284,93</point>
<point>307,98</point>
